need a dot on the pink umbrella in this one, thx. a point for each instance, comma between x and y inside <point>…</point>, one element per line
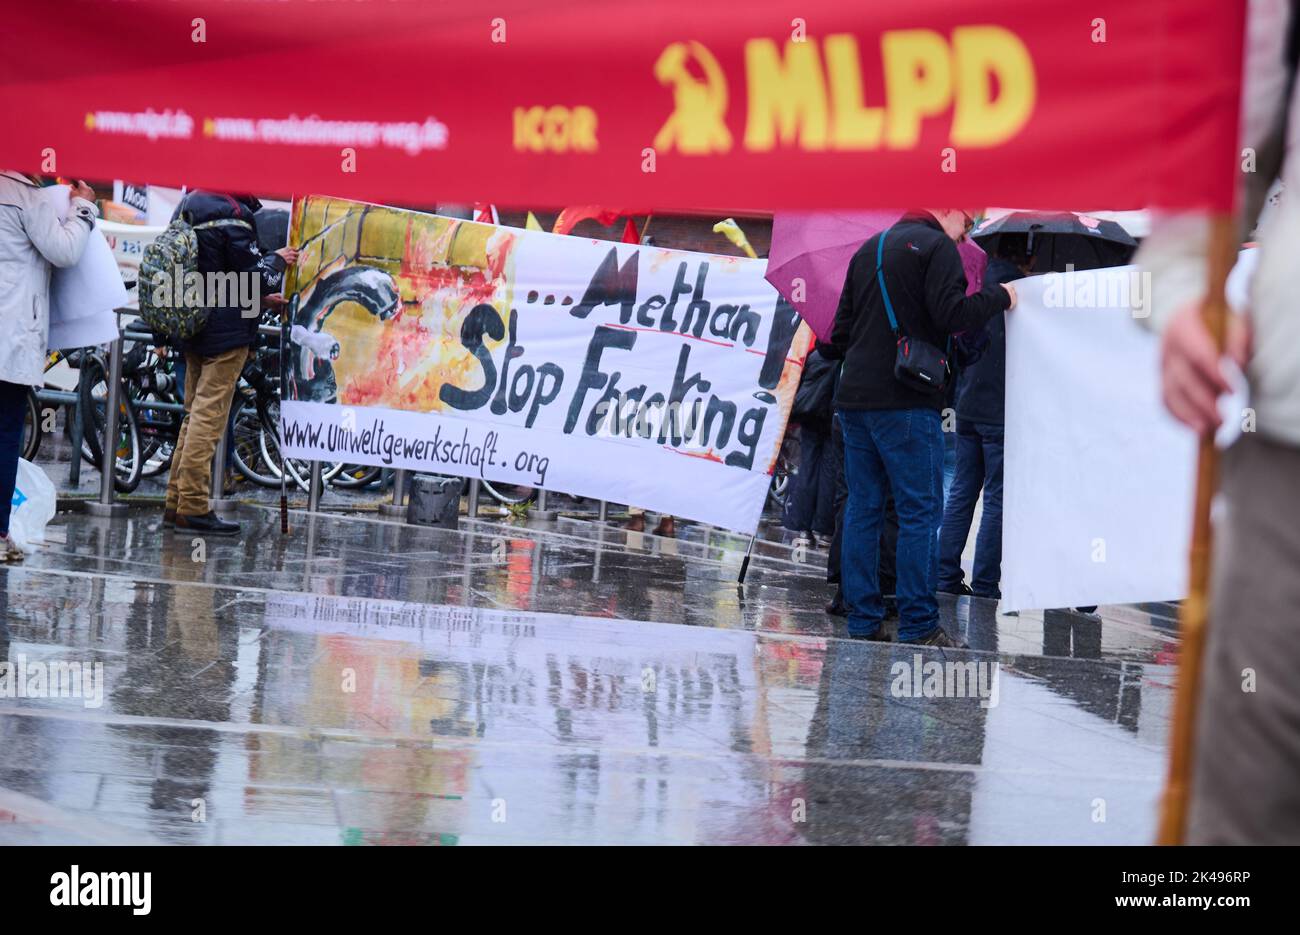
<point>810,254</point>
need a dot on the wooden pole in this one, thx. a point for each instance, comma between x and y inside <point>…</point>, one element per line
<point>1195,610</point>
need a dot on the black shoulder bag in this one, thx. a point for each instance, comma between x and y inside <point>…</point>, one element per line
<point>917,364</point>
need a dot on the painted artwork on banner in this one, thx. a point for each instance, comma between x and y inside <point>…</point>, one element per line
<point>636,374</point>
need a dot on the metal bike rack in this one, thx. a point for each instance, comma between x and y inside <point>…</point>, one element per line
<point>315,487</point>
<point>396,509</point>
<point>542,511</point>
<point>106,507</point>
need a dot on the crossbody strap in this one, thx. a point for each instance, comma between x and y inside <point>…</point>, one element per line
<point>884,292</point>
<point>880,278</point>
<point>223,222</point>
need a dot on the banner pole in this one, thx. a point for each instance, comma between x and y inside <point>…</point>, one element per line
<point>1194,618</point>
<point>285,313</point>
<point>744,564</point>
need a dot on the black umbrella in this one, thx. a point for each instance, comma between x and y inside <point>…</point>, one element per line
<point>1055,239</point>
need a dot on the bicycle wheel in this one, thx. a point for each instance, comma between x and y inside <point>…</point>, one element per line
<point>92,385</point>
<point>783,471</point>
<point>356,476</point>
<point>129,464</point>
<point>31,428</point>
<point>268,409</point>
<point>251,458</point>
<point>159,429</point>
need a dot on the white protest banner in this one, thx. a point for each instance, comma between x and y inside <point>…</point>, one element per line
<point>1098,479</point>
<point>652,377</point>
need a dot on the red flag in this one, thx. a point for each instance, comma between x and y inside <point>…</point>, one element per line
<point>569,217</point>
<point>878,106</point>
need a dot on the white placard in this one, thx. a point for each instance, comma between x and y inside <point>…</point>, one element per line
<point>1098,478</point>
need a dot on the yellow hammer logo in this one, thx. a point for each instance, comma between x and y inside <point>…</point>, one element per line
<point>698,125</point>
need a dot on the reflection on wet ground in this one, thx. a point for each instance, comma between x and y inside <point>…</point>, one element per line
<point>362,682</point>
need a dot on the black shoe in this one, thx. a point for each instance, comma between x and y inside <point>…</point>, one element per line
<point>938,637</point>
<point>961,589</point>
<point>169,519</point>
<point>880,636</point>
<point>208,524</point>
<point>837,608</point>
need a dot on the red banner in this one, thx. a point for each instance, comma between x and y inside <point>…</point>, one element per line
<point>668,104</point>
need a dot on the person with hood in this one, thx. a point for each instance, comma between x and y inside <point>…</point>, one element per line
<point>32,242</point>
<point>979,404</point>
<point>905,287</point>
<point>215,356</point>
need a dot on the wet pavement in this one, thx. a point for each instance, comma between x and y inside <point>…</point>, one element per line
<point>366,682</point>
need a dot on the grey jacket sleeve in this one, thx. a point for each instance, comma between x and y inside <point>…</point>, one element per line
<point>60,242</point>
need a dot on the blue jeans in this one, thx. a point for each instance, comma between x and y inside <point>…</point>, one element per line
<point>949,462</point>
<point>901,448</point>
<point>979,466</point>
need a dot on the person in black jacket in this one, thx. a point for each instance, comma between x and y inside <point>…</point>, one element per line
<point>892,431</point>
<point>979,404</point>
<point>215,355</point>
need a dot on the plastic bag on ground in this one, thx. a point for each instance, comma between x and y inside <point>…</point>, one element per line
<point>33,506</point>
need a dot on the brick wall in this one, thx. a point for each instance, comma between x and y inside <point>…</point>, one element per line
<point>676,231</point>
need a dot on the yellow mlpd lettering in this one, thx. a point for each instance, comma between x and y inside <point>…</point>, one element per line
<point>853,126</point>
<point>555,129</point>
<point>918,82</point>
<point>787,97</point>
<point>980,54</point>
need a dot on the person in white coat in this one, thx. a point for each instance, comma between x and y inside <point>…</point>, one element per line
<point>32,241</point>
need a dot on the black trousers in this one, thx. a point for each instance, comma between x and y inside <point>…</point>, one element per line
<point>13,410</point>
<point>888,529</point>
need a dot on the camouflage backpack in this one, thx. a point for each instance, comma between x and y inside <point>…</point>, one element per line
<point>164,273</point>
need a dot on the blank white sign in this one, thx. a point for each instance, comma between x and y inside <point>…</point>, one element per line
<point>1098,478</point>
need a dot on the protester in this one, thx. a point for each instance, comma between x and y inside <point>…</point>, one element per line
<point>1247,740</point>
<point>978,406</point>
<point>810,500</point>
<point>912,273</point>
<point>215,356</point>
<point>32,241</point>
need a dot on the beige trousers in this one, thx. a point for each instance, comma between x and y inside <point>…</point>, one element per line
<point>209,390</point>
